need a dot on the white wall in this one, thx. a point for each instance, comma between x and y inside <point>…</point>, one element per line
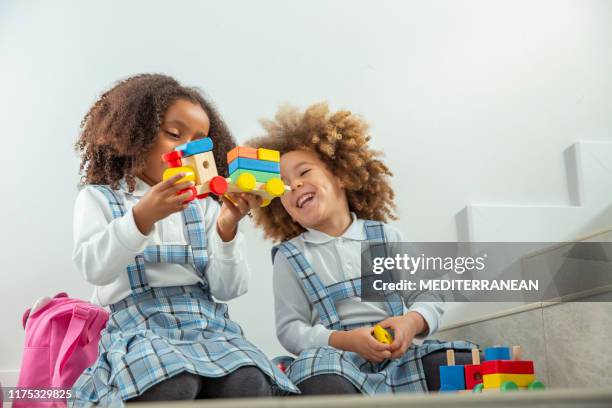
<point>472,101</point>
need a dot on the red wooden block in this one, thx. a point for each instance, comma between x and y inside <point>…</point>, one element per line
<point>473,375</point>
<point>173,158</point>
<point>507,367</point>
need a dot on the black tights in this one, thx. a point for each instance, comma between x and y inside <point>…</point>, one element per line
<point>327,384</point>
<point>244,382</point>
<point>251,382</point>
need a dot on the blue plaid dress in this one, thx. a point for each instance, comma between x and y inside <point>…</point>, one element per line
<point>159,332</point>
<point>404,374</point>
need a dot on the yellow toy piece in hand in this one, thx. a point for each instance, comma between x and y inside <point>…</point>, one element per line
<point>189,174</point>
<point>382,335</point>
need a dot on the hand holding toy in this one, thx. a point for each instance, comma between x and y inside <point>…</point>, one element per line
<point>382,335</point>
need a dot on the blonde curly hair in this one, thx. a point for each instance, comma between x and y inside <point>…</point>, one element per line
<point>340,139</point>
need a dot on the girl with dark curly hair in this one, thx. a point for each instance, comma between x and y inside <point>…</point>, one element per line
<point>340,197</point>
<point>157,262</point>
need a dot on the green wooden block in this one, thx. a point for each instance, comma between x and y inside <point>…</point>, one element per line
<point>260,176</point>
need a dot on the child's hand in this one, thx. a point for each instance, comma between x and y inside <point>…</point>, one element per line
<point>361,342</point>
<point>404,329</point>
<point>160,201</point>
<point>233,210</point>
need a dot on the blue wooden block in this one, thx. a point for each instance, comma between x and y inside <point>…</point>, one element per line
<point>497,353</point>
<point>452,378</point>
<point>197,146</point>
<point>252,164</point>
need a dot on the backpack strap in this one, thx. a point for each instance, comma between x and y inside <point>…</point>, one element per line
<point>78,321</point>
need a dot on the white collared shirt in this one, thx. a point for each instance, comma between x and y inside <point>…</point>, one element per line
<point>333,259</point>
<point>103,247</point>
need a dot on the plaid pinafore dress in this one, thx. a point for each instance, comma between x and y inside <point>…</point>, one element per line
<point>158,332</point>
<point>404,374</point>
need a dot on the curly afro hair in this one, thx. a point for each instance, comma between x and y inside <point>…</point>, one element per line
<point>123,125</point>
<point>340,139</point>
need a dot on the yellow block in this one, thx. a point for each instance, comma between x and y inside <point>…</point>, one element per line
<point>496,380</point>
<point>382,335</point>
<point>189,174</point>
<point>269,155</point>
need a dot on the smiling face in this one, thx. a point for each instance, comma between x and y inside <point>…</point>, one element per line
<point>317,199</point>
<point>183,122</point>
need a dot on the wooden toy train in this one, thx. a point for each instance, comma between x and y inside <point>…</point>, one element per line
<point>498,372</point>
<point>251,170</point>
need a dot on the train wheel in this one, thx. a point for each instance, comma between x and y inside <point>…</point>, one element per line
<point>246,182</point>
<point>275,187</point>
<point>218,185</point>
<point>536,385</point>
<point>477,388</point>
<point>508,386</point>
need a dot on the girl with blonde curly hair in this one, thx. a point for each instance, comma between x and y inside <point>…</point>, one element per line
<point>340,197</point>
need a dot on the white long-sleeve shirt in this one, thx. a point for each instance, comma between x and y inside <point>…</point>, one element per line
<point>334,259</point>
<point>103,247</point>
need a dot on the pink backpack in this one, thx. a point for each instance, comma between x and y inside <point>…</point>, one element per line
<point>61,342</point>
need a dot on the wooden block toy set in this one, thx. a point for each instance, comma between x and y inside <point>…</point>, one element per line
<point>256,171</point>
<point>197,161</point>
<point>251,170</point>
<point>498,372</point>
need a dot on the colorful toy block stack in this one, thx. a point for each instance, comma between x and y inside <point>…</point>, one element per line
<point>256,171</point>
<point>251,170</point>
<point>196,160</point>
<point>500,371</point>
